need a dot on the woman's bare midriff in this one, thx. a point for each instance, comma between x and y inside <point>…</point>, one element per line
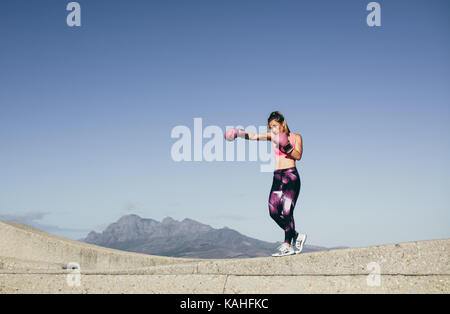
<point>282,162</point>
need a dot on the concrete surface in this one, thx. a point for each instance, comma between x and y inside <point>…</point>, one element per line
<point>25,243</point>
<point>32,261</point>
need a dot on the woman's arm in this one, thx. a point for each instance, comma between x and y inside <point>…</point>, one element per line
<point>298,150</point>
<point>258,137</point>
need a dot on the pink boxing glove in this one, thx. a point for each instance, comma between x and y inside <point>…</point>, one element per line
<point>282,141</point>
<point>231,134</point>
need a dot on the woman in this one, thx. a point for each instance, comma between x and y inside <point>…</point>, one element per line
<point>288,148</point>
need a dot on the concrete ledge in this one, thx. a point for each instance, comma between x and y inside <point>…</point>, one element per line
<point>218,284</point>
<point>336,284</point>
<point>31,262</point>
<point>411,258</point>
<point>26,243</point>
<point>43,283</point>
<point>20,265</point>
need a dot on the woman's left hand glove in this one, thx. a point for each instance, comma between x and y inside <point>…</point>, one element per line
<point>231,134</point>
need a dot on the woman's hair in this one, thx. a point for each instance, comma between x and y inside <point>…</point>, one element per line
<point>277,116</point>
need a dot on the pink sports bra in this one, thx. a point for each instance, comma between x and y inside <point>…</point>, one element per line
<point>277,152</point>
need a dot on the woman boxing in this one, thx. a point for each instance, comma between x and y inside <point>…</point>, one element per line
<point>288,148</point>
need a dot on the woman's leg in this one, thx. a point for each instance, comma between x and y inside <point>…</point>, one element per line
<point>283,196</point>
<point>275,205</point>
<point>291,190</point>
<point>275,209</point>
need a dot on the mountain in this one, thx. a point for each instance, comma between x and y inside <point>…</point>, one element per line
<point>187,238</point>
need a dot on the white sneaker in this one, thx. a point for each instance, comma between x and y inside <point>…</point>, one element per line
<point>284,250</point>
<point>298,242</point>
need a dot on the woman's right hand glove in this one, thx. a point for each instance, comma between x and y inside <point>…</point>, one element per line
<point>281,140</point>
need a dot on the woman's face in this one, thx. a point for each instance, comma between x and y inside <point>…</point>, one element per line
<point>275,127</point>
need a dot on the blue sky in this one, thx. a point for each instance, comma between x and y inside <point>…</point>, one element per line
<point>86,114</point>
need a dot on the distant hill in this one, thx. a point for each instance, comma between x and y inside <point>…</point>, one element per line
<point>187,238</point>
